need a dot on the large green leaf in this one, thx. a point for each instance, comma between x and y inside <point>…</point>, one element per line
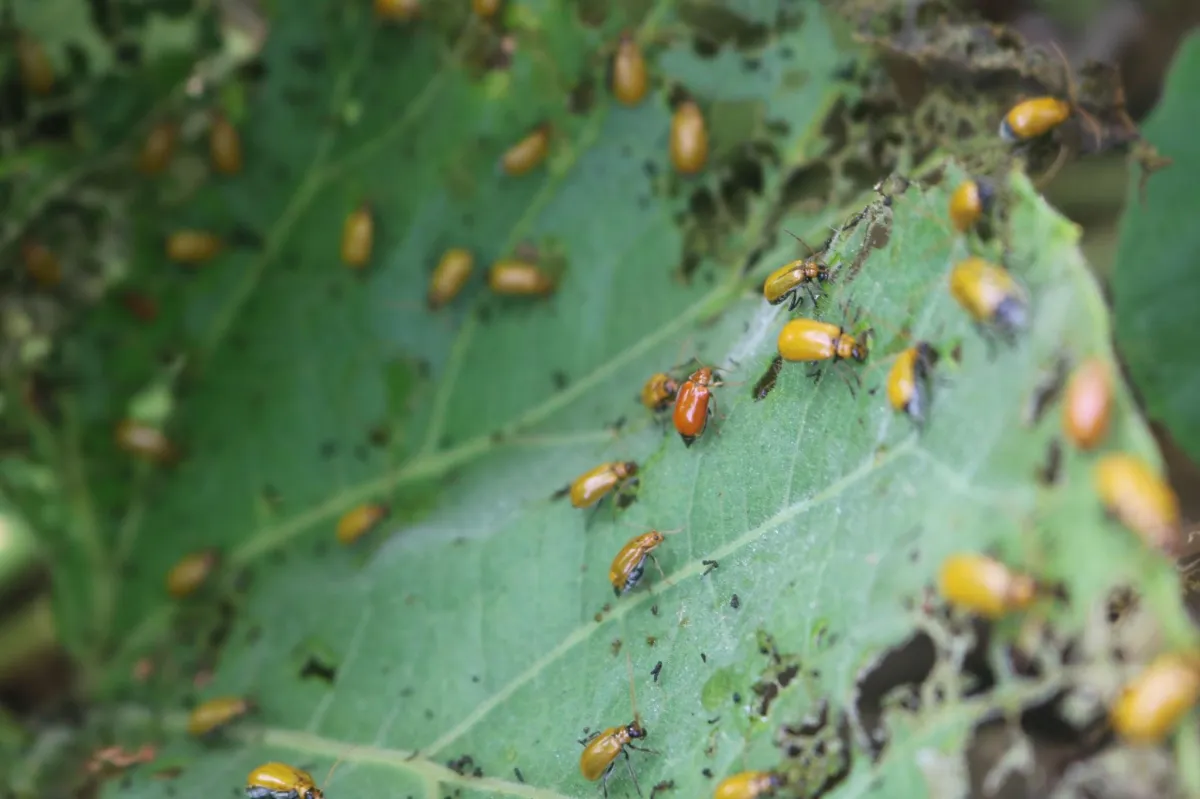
<point>1154,285</point>
<point>479,620</point>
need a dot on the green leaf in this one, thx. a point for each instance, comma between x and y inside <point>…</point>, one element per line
<point>479,620</point>
<point>1153,282</point>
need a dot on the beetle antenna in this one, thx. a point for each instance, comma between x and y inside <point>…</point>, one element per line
<point>811,251</point>
<point>1074,98</point>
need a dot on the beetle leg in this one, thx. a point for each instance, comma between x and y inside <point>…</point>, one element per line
<point>632,773</point>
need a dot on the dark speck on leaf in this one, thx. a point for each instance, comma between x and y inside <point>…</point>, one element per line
<point>328,449</point>
<point>650,168</point>
<point>735,602</point>
<point>379,435</point>
<point>737,698</point>
<point>703,657</point>
<point>559,379</point>
<point>654,609</point>
<point>707,773</point>
<point>517,773</point>
<point>315,669</point>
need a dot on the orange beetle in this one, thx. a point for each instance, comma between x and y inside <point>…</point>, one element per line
<point>397,10</point>
<point>689,139</point>
<point>985,586</point>
<point>659,391</point>
<point>749,785</point>
<point>694,403</point>
<point>225,147</point>
<point>528,152</point>
<point>191,572</point>
<point>359,521</point>
<point>210,716</point>
<point>810,340</point>
<point>1088,404</point>
<point>601,749</point>
<point>192,246</point>
<point>629,79</point>
<point>1136,496</point>
<point>358,237</point>
<point>595,484</point>
<point>158,148</point>
<point>630,563</point>
<point>145,441</point>
<point>449,276</point>
<point>1032,118</point>
<point>1152,703</point>
<point>510,277</point>
<point>969,202</point>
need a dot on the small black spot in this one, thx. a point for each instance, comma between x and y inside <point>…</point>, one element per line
<point>315,668</point>
<point>709,565</point>
<point>1048,472</point>
<point>708,775</point>
<point>558,378</point>
<point>475,678</point>
<point>379,435</point>
<point>735,602</point>
<point>703,657</point>
<point>616,426</point>
<point>656,670</point>
<point>654,609</point>
<point>737,698</point>
<point>650,168</point>
<point>517,772</point>
<point>328,449</point>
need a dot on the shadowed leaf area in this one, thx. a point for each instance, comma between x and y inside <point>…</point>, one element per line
<point>1151,290</point>
<point>463,646</point>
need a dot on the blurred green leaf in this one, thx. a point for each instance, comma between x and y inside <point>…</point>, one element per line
<point>478,621</point>
<point>1154,282</point>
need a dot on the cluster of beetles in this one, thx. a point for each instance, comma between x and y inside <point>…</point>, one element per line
<point>1130,490</point>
